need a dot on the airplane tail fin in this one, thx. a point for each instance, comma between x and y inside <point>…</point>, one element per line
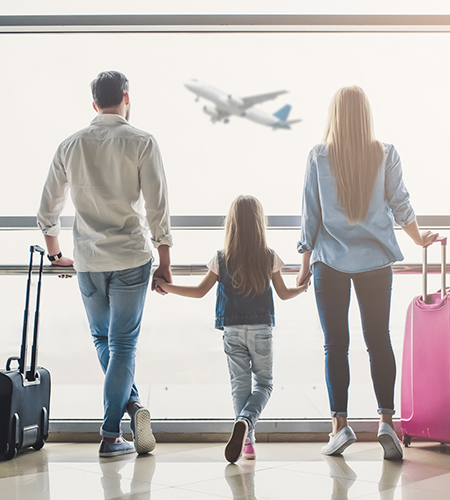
<point>283,113</point>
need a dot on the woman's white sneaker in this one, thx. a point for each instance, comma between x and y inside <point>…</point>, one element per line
<point>338,443</point>
<point>389,441</point>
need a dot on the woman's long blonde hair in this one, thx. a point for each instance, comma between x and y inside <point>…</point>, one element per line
<point>246,255</point>
<point>354,153</point>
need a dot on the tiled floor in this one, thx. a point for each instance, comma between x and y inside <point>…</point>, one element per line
<point>282,471</point>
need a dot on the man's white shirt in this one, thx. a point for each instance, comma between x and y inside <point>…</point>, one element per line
<point>117,183</point>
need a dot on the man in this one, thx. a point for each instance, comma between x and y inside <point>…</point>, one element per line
<point>111,168</point>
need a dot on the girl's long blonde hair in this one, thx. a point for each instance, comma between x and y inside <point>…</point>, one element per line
<point>354,153</point>
<point>246,255</point>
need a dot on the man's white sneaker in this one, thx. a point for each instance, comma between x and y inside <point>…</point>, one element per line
<point>144,440</point>
<point>338,443</point>
<point>389,441</point>
<point>108,449</point>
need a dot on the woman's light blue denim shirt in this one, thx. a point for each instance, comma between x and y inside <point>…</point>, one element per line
<point>367,245</point>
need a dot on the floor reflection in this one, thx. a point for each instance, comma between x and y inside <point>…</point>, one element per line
<point>140,485</point>
<point>196,471</point>
<point>241,480</point>
<point>391,473</point>
<point>27,478</point>
<point>342,474</point>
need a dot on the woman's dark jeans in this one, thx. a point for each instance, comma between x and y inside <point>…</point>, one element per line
<point>373,290</point>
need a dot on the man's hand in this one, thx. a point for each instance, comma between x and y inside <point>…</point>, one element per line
<point>164,273</point>
<point>53,248</point>
<point>63,262</point>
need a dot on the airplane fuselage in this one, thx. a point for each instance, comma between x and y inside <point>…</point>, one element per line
<point>227,104</point>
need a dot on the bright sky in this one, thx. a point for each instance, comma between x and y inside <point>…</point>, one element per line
<point>207,164</point>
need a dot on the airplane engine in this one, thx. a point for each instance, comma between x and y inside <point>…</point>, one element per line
<point>209,110</point>
<point>235,101</point>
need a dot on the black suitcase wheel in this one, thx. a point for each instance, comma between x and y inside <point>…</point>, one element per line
<point>11,452</point>
<point>43,435</point>
<point>406,440</point>
<point>40,443</point>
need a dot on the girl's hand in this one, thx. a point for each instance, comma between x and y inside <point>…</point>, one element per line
<point>304,288</point>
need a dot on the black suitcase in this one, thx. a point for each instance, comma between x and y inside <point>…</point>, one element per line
<point>25,393</point>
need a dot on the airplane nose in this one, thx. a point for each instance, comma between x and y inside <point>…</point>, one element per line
<point>191,84</point>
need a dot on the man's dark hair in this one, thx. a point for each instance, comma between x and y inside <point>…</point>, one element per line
<point>108,89</point>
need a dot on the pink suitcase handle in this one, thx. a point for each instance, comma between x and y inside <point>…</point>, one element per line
<point>443,241</point>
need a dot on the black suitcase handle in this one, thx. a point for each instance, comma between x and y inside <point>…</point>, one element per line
<point>31,374</point>
<point>37,248</point>
<point>10,360</point>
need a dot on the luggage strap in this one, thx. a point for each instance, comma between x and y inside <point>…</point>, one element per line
<point>443,242</point>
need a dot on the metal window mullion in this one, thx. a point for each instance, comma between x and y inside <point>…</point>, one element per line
<point>232,23</point>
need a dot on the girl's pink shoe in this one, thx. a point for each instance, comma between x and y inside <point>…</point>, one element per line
<point>249,451</point>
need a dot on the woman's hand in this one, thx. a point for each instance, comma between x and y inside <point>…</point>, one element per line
<point>305,273</point>
<point>422,239</point>
<point>303,277</point>
<point>428,237</point>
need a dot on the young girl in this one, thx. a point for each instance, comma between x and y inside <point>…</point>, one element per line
<point>245,312</point>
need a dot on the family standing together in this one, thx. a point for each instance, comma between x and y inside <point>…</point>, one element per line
<point>353,193</point>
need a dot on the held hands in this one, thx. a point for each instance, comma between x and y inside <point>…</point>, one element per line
<point>303,278</point>
<point>160,276</point>
<point>159,284</point>
<point>304,287</point>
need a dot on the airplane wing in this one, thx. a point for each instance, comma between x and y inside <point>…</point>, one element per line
<point>256,99</point>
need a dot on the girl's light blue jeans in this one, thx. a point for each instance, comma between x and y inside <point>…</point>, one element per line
<point>114,302</point>
<point>250,358</point>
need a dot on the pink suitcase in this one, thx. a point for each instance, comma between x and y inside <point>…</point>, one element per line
<point>425,388</point>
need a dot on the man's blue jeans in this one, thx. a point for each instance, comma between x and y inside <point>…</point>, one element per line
<point>114,302</point>
<point>250,356</point>
<point>373,290</point>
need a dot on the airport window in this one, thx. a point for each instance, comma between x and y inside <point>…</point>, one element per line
<point>209,160</point>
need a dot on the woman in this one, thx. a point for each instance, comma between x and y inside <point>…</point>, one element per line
<point>353,192</point>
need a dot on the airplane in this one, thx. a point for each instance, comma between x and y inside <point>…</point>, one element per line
<point>226,105</point>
